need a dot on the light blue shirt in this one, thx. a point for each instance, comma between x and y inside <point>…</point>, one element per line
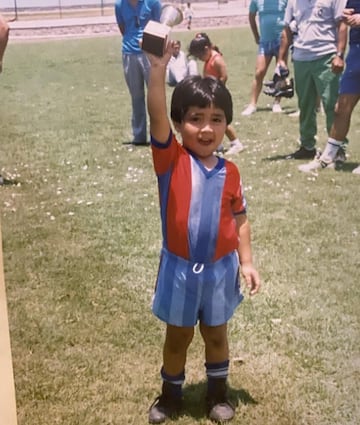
<point>134,20</point>
<point>271,18</point>
<point>316,22</point>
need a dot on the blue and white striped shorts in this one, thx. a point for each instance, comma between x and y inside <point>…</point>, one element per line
<point>187,292</point>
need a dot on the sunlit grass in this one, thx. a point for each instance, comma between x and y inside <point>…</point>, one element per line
<point>81,237</point>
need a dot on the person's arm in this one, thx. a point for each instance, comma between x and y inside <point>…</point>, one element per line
<point>156,96</point>
<point>254,27</point>
<point>285,43</point>
<point>122,29</point>
<point>248,270</point>
<point>119,18</point>
<point>351,19</point>
<point>338,63</point>
<point>220,67</point>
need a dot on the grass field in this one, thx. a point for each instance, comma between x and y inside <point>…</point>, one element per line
<point>81,238</point>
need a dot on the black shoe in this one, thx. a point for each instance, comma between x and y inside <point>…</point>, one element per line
<point>302,153</point>
<point>163,408</point>
<point>167,405</point>
<point>220,410</point>
<point>218,406</point>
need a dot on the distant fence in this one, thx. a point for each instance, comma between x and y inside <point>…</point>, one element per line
<point>19,7</point>
<point>15,9</point>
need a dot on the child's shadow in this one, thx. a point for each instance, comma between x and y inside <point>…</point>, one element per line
<point>194,399</point>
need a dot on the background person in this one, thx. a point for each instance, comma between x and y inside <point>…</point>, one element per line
<point>132,16</point>
<point>318,58</point>
<point>271,21</point>
<point>214,65</point>
<point>349,94</point>
<point>4,37</point>
<point>179,65</point>
<point>188,15</point>
<point>201,246</point>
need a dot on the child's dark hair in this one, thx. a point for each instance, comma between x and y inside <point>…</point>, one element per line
<point>199,43</point>
<point>201,92</point>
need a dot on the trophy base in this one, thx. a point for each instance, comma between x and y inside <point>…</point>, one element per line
<point>155,38</point>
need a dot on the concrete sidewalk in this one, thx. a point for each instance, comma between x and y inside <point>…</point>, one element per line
<point>201,11</point>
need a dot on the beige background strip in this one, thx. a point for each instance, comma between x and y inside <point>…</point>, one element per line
<point>7,387</point>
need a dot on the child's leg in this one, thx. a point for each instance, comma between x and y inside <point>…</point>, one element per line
<point>216,343</point>
<point>235,145</point>
<point>176,344</point>
<point>217,367</point>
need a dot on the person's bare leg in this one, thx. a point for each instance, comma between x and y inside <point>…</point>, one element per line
<point>338,132</point>
<point>262,65</point>
<point>216,343</point>
<point>342,118</point>
<point>219,408</point>
<point>176,344</point>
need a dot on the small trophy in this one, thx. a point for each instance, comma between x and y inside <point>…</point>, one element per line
<point>156,34</point>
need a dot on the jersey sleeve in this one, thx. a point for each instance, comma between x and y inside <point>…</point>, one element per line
<point>238,202</point>
<point>164,154</point>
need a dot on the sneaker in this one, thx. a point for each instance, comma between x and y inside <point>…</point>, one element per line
<point>220,411</point>
<point>356,170</point>
<point>276,108</point>
<point>163,408</point>
<point>318,163</point>
<point>314,165</point>
<point>295,114</point>
<point>235,147</point>
<point>249,110</point>
<point>302,153</point>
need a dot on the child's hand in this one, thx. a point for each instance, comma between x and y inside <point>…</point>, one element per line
<point>157,61</point>
<point>251,277</point>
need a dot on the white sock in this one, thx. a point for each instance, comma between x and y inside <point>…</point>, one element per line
<point>331,148</point>
<point>235,142</point>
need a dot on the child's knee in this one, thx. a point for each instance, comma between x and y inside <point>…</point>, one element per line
<point>178,339</point>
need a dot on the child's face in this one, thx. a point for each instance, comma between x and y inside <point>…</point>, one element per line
<point>205,55</point>
<point>202,130</point>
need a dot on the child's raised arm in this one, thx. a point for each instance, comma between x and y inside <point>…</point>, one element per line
<point>156,98</point>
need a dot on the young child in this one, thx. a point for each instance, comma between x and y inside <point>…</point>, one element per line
<point>214,65</point>
<point>188,15</point>
<point>205,233</point>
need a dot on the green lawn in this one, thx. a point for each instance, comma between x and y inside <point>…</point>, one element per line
<point>81,238</point>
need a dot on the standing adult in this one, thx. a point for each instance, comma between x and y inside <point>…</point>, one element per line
<point>132,17</point>
<point>271,21</point>
<point>318,58</point>
<point>349,94</point>
<point>4,36</point>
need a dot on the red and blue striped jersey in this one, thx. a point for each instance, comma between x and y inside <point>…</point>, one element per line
<point>197,206</point>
